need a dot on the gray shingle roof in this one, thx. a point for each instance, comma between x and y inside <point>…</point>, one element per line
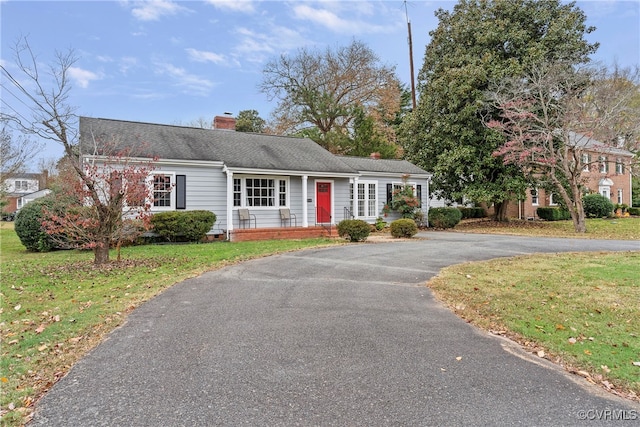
<point>587,143</point>
<point>235,149</point>
<point>367,164</point>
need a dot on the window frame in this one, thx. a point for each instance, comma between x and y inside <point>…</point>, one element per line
<point>535,196</point>
<point>367,202</point>
<point>603,166</point>
<point>171,191</point>
<point>619,166</point>
<point>280,194</point>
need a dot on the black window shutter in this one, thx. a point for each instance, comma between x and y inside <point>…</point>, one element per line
<point>419,193</point>
<point>389,192</point>
<point>181,191</point>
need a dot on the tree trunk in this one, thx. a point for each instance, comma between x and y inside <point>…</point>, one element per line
<point>500,211</point>
<point>101,254</point>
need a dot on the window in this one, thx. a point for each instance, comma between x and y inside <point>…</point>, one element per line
<point>367,199</point>
<point>162,186</point>
<point>604,164</point>
<point>552,201</point>
<point>534,197</point>
<point>619,166</point>
<point>260,192</point>
<point>620,198</point>
<point>21,185</point>
<point>586,161</point>
<point>237,192</point>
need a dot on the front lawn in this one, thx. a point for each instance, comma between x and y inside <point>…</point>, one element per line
<point>56,306</point>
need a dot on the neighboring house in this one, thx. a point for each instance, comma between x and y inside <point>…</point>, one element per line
<point>234,174</point>
<point>606,171</point>
<point>19,185</point>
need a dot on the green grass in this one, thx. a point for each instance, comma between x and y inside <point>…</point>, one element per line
<point>56,306</point>
<point>582,309</point>
<point>615,228</point>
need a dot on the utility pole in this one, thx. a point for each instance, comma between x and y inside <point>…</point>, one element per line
<point>413,86</point>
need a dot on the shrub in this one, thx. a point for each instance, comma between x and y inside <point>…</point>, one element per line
<point>190,226</point>
<point>553,214</point>
<point>597,206</point>
<point>380,224</point>
<point>444,217</point>
<point>472,213</point>
<point>354,229</point>
<point>28,225</point>
<point>634,211</point>
<point>404,227</point>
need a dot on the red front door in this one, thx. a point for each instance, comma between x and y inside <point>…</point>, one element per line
<point>323,202</point>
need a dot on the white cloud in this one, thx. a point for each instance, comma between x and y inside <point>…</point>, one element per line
<point>334,22</point>
<point>256,46</point>
<point>204,56</point>
<point>244,6</point>
<point>191,83</point>
<point>83,77</point>
<point>126,63</point>
<point>153,10</point>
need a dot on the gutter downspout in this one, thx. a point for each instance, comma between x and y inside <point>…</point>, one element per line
<point>305,207</point>
<point>229,202</point>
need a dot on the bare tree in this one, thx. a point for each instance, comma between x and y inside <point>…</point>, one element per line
<point>554,115</point>
<point>324,89</point>
<point>15,153</point>
<point>53,119</point>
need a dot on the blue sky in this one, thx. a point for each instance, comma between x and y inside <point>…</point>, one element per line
<point>176,61</point>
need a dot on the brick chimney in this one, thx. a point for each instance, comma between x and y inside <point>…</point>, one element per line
<point>375,156</point>
<point>225,122</point>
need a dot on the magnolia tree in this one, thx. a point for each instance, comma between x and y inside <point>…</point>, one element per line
<point>109,206</point>
<point>97,193</point>
<point>557,114</point>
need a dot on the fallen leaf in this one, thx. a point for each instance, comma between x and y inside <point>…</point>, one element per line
<point>56,318</point>
<point>11,406</point>
<point>4,379</point>
<point>583,374</point>
<point>40,328</point>
<point>541,353</point>
<point>43,347</point>
<point>458,358</point>
<point>559,327</point>
<point>636,363</point>
<point>572,340</point>
<point>17,307</point>
<point>587,352</point>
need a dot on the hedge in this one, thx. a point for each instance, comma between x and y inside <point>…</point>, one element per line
<point>634,211</point>
<point>177,226</point>
<point>553,214</point>
<point>354,229</point>
<point>444,217</point>
<point>472,212</point>
<point>404,227</point>
<point>597,206</point>
<point>28,225</point>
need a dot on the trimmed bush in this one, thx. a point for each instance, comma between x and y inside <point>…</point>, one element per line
<point>597,206</point>
<point>28,225</point>
<point>634,211</point>
<point>472,213</point>
<point>553,214</point>
<point>444,217</point>
<point>404,227</point>
<point>183,226</point>
<point>354,229</point>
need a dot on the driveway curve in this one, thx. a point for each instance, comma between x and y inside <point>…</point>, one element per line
<point>339,336</point>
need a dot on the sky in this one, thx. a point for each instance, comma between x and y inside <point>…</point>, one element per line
<point>175,62</point>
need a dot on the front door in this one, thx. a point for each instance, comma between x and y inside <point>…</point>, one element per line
<point>323,202</point>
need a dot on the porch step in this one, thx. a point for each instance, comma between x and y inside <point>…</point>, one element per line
<point>246,234</point>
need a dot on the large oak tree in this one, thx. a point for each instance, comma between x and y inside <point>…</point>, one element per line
<point>481,41</point>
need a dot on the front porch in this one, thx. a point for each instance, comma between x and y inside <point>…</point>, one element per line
<point>271,233</point>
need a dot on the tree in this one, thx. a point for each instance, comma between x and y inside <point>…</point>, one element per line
<point>325,89</point>
<point>122,214</point>
<point>551,117</point>
<point>480,41</point>
<point>53,119</point>
<point>250,121</point>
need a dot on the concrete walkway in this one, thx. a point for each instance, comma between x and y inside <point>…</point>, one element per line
<point>341,336</point>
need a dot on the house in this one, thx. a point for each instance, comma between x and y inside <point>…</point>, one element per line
<point>21,188</point>
<point>257,181</point>
<point>606,170</point>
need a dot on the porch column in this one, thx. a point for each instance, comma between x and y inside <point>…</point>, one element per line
<point>354,203</point>
<point>305,206</point>
<point>229,203</point>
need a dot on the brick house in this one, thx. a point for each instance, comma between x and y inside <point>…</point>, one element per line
<point>606,170</point>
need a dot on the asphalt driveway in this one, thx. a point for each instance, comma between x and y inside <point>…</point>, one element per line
<point>341,336</point>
